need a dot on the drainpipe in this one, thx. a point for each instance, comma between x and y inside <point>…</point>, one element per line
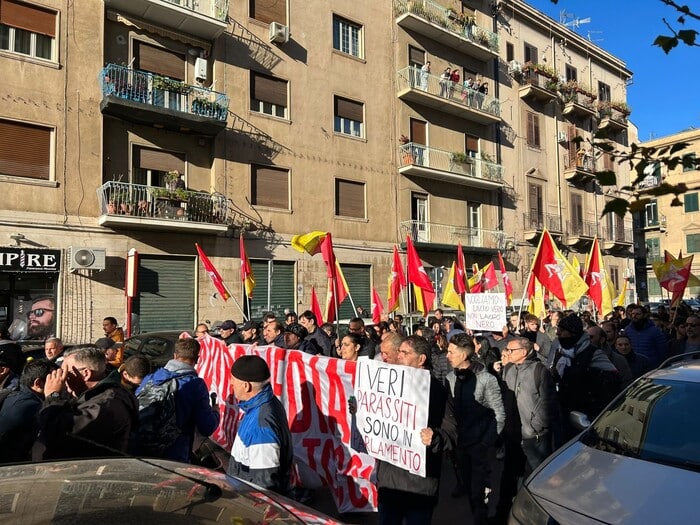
<point>497,90</point>
<point>556,142</point>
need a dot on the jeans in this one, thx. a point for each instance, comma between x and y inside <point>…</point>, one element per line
<point>536,451</point>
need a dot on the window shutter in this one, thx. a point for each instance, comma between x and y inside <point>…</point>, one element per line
<point>270,187</point>
<point>572,147</point>
<point>418,134</point>
<point>416,56</point>
<point>349,109</point>
<point>272,90</point>
<point>269,11</point>
<point>160,61</point>
<point>472,143</point>
<point>159,160</point>
<point>25,150</point>
<point>349,199</point>
<point>576,210</point>
<point>28,17</point>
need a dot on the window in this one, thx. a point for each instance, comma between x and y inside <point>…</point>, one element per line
<point>510,52</point>
<point>349,199</point>
<point>690,202</point>
<point>268,10</point>
<point>471,146</point>
<point>25,150</point>
<point>614,277</point>
<point>653,246</point>
<point>347,37</point>
<point>603,92</point>
<point>651,214</point>
<point>576,214</point>
<point>692,243</point>
<point>268,95</point>
<point>349,116</point>
<point>571,73</point>
<point>269,187</point>
<point>530,53</point>
<point>150,166</point>
<point>416,57</point>
<point>533,129</point>
<point>653,287</point>
<point>27,30</point>
<point>689,162</point>
<point>536,216</point>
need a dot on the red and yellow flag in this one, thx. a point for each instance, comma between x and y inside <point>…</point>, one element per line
<point>422,285</point>
<point>555,273</point>
<point>507,285</point>
<point>213,274</point>
<point>247,276</point>
<point>397,282</point>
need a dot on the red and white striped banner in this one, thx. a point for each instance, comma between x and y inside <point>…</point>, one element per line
<point>314,391</point>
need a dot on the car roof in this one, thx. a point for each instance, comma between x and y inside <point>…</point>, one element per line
<point>165,334</point>
<point>684,367</point>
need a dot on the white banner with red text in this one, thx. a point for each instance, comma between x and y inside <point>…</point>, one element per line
<point>314,391</point>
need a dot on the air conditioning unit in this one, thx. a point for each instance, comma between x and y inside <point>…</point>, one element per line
<point>561,136</point>
<point>514,67</point>
<point>279,34</point>
<point>86,258</point>
<point>200,69</point>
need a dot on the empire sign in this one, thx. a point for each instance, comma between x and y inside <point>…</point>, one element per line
<point>29,260</point>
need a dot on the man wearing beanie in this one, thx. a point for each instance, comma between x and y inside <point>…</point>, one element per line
<point>262,451</point>
<point>587,379</point>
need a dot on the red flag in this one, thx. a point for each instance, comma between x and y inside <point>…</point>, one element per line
<point>555,273</point>
<point>377,307</point>
<point>397,282</point>
<point>247,276</point>
<point>422,285</point>
<point>340,287</point>
<point>475,281</point>
<point>598,283</point>
<point>316,308</point>
<point>507,285</point>
<point>460,285</point>
<point>213,274</point>
<point>488,277</point>
<point>675,274</point>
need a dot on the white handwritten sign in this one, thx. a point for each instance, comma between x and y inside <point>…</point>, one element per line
<point>392,409</point>
<point>485,311</point>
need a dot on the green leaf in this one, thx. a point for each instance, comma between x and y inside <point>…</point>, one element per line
<point>617,206</point>
<point>666,43</point>
<point>688,36</point>
<point>606,178</point>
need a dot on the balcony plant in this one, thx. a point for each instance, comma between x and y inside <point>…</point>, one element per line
<point>621,106</point>
<point>173,86</point>
<point>207,108</point>
<point>459,158</point>
<point>542,69</point>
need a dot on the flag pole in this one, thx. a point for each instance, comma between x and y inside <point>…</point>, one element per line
<point>532,266</point>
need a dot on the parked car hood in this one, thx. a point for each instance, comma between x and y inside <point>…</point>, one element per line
<point>611,488</point>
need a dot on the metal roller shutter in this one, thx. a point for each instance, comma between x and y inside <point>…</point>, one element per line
<point>359,282</point>
<point>277,286</point>
<point>166,293</point>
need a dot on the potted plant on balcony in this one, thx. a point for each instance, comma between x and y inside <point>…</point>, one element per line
<point>208,108</point>
<point>604,109</point>
<point>406,153</point>
<point>621,106</point>
<point>169,84</point>
<point>461,162</point>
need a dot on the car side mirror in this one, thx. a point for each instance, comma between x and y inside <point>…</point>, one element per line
<point>579,420</point>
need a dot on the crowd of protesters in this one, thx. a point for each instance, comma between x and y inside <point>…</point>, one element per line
<point>499,401</point>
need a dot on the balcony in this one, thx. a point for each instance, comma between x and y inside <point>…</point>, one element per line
<point>145,98</point>
<point>535,223</point>
<point>580,232</point>
<point>134,206</point>
<point>430,163</point>
<point>579,169</point>
<point>649,182</point>
<point>537,86</point>
<point>611,118</point>
<point>578,105</point>
<point>448,236</point>
<point>443,25</point>
<point>430,90</point>
<point>202,18</point>
<point>616,238</point>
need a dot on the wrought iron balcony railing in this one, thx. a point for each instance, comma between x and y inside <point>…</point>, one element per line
<point>433,233</point>
<point>213,8</point>
<point>413,154</point>
<point>154,90</point>
<point>538,222</point>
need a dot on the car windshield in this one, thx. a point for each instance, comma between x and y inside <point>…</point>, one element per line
<point>655,421</point>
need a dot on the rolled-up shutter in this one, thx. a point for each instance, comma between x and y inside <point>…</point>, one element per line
<point>159,160</point>
<point>25,150</point>
<point>416,56</point>
<point>278,285</point>
<point>269,11</point>
<point>270,187</point>
<point>349,109</point>
<point>270,90</point>
<point>418,134</point>
<point>28,17</point>
<point>160,61</point>
<point>359,283</point>
<point>350,198</point>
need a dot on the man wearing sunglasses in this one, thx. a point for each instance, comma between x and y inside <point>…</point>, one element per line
<point>40,318</point>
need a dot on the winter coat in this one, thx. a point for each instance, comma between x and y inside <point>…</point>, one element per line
<point>192,406</point>
<point>262,450</point>
<point>648,341</point>
<point>19,425</point>
<point>96,423</point>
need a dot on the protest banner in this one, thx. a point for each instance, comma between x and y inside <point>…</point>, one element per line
<point>314,391</point>
<point>485,311</point>
<point>392,409</point>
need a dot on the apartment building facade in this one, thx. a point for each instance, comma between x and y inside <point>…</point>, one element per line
<point>155,125</point>
<point>661,226</point>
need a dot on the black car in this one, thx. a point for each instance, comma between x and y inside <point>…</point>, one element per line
<point>157,347</point>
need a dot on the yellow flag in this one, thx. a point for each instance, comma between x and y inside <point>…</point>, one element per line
<point>575,264</point>
<point>536,306</point>
<point>309,242</point>
<point>450,297</point>
<point>620,301</point>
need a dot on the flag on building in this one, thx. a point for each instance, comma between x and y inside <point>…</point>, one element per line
<point>316,308</point>
<point>377,307</point>
<point>397,282</point>
<point>507,285</point>
<point>213,274</point>
<point>422,285</point>
<point>599,287</point>
<point>247,276</point>
<point>555,273</point>
<point>450,297</point>
<point>460,278</point>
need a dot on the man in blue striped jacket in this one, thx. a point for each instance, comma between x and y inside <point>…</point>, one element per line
<point>262,451</point>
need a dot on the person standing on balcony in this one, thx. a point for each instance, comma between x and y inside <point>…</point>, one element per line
<point>425,75</point>
<point>454,80</point>
<point>445,82</point>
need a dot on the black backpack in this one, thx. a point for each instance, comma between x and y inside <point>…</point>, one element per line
<point>587,389</point>
<point>158,428</point>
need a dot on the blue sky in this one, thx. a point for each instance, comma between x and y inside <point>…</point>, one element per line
<point>663,95</point>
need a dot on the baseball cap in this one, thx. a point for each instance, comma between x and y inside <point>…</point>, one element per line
<point>228,325</point>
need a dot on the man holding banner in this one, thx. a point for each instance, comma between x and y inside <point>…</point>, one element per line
<point>403,495</point>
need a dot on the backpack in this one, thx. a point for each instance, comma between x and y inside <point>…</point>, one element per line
<point>587,389</point>
<point>158,428</point>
